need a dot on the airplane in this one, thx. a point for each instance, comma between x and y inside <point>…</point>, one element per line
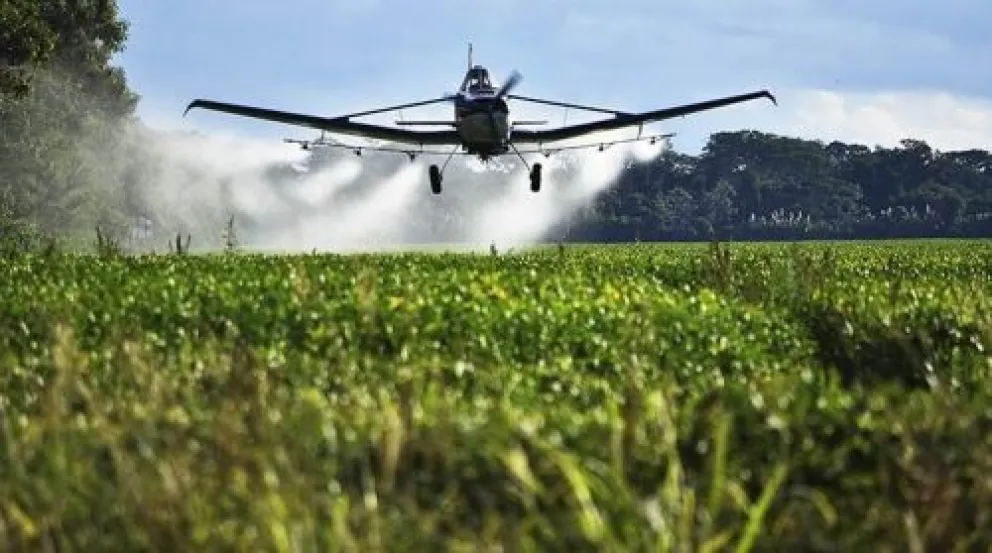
<point>481,125</point>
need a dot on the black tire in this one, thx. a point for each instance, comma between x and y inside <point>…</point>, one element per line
<point>535,178</point>
<point>435,175</point>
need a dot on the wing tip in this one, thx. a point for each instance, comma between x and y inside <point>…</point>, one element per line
<point>193,104</point>
<point>770,96</point>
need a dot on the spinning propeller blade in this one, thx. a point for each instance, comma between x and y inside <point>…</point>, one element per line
<point>511,82</point>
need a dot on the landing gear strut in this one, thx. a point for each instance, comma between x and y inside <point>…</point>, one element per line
<point>435,173</point>
<point>535,171</point>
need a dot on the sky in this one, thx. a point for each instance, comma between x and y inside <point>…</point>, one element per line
<point>867,72</point>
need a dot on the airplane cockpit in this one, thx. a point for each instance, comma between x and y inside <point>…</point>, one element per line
<point>477,80</point>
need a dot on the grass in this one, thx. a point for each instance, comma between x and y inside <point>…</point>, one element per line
<point>752,397</point>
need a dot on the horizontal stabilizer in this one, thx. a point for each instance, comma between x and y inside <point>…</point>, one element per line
<point>434,123</point>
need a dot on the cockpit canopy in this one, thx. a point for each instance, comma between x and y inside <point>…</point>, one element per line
<point>477,80</point>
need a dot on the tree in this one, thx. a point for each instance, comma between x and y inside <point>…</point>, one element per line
<point>63,122</point>
<point>25,41</point>
<point>88,34</point>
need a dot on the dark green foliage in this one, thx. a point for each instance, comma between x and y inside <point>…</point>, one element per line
<point>749,185</point>
<point>63,117</point>
<point>25,40</point>
<point>754,397</point>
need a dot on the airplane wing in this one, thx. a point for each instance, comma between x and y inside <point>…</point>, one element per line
<point>565,104</point>
<point>621,120</point>
<point>341,124</point>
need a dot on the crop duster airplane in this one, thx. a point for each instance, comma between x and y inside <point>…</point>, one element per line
<point>481,125</point>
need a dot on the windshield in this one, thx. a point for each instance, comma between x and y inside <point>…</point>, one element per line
<point>478,80</point>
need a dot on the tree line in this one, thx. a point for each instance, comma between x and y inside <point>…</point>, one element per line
<point>749,185</point>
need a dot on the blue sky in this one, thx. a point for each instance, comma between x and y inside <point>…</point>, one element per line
<point>872,72</point>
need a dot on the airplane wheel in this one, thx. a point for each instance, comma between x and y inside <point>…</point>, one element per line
<point>535,178</point>
<point>435,175</point>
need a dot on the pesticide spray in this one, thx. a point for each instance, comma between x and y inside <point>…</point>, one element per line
<point>283,199</point>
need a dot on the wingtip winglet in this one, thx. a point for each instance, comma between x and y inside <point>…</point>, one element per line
<point>771,97</point>
<point>193,104</point>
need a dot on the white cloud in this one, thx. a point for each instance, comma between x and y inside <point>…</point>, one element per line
<point>944,120</point>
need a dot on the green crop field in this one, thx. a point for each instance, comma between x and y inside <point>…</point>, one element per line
<point>750,397</point>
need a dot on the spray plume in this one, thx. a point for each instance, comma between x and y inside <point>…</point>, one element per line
<point>286,200</point>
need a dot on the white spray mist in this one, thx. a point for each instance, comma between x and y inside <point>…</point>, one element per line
<point>286,200</point>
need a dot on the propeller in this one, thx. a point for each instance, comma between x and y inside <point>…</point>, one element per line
<point>511,82</point>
